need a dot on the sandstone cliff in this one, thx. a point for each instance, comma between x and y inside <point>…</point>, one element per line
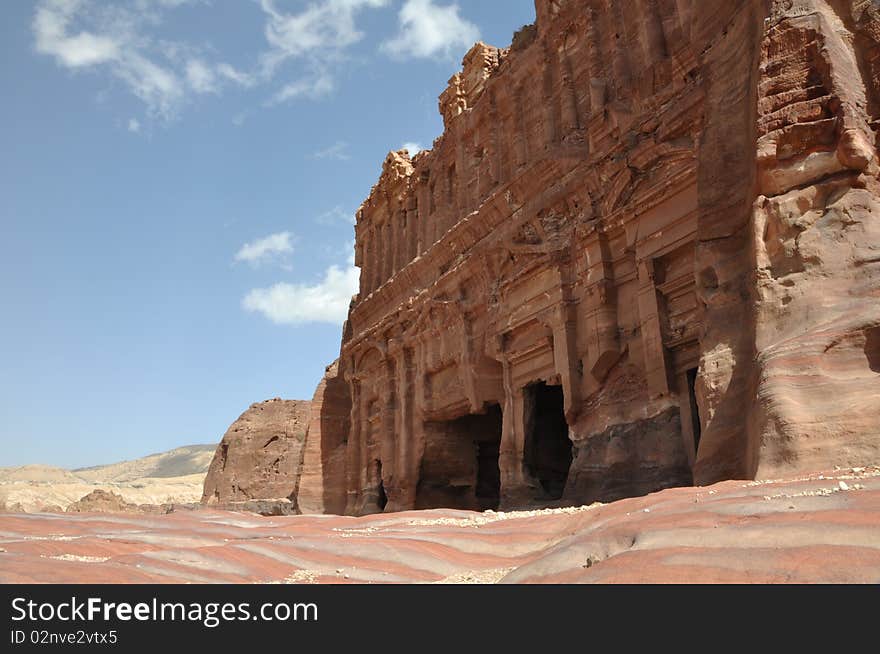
<point>260,456</point>
<point>322,482</point>
<point>644,253</point>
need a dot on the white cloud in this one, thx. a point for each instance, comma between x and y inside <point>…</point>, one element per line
<point>234,75</point>
<point>124,39</point>
<point>134,125</point>
<point>311,88</point>
<point>115,37</point>
<point>429,30</point>
<point>337,151</point>
<point>50,26</point>
<point>298,304</point>
<point>112,41</point>
<point>335,216</point>
<point>321,26</point>
<point>266,249</point>
<point>200,76</point>
<point>159,88</point>
<point>317,36</point>
<point>412,147</point>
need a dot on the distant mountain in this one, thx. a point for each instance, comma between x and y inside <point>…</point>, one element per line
<point>168,477</point>
<point>179,462</point>
<point>38,473</point>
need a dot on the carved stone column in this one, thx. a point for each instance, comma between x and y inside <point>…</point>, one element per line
<point>566,358</point>
<point>412,230</point>
<point>352,452</point>
<point>652,337</point>
<point>402,491</point>
<point>515,489</point>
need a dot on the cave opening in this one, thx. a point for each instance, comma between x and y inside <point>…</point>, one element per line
<point>382,498</point>
<point>548,451</point>
<point>460,468</point>
<point>695,409</point>
<point>872,348</point>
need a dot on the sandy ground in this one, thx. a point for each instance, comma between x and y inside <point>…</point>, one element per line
<point>817,528</point>
<point>168,477</point>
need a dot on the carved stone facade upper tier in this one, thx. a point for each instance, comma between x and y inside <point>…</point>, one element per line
<point>644,253</point>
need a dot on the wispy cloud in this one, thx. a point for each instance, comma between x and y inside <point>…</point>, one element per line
<point>326,301</point>
<point>412,147</point>
<point>335,216</point>
<point>313,87</point>
<point>201,77</point>
<point>317,37</point>
<point>111,41</point>
<point>325,27</point>
<point>80,50</point>
<point>230,73</point>
<point>265,250</point>
<point>337,151</point>
<point>306,45</point>
<point>430,30</point>
<point>134,125</point>
<point>120,39</point>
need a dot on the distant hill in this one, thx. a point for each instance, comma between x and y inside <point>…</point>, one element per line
<point>179,462</point>
<point>38,473</point>
<point>174,476</point>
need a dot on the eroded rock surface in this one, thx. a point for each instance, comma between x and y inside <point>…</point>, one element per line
<point>260,456</point>
<point>322,482</point>
<point>644,253</point>
<point>818,528</point>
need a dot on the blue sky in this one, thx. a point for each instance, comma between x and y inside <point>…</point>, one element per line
<point>177,185</point>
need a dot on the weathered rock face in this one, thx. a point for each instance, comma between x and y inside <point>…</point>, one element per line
<point>816,239</point>
<point>322,482</point>
<point>644,253</point>
<point>260,457</point>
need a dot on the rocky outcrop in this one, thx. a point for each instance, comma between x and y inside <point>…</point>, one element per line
<point>101,501</point>
<point>644,253</point>
<point>260,456</point>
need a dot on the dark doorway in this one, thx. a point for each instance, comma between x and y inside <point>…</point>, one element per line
<point>488,442</point>
<point>382,498</point>
<point>548,448</point>
<point>695,410</point>
<point>459,467</point>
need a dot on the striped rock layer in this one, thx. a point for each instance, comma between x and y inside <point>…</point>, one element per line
<point>818,528</point>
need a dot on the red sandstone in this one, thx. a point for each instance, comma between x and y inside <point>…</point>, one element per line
<point>644,253</point>
<point>815,529</point>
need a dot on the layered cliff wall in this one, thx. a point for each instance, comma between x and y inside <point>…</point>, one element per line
<point>645,252</point>
<point>815,239</point>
